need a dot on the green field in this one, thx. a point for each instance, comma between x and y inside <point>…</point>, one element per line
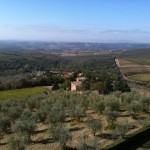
<point>135,70</point>
<point>140,77</point>
<point>126,62</point>
<point>141,61</point>
<point>20,93</point>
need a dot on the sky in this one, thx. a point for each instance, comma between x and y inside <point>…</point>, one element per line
<point>75,20</point>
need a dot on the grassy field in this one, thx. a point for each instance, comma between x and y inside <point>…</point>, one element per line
<point>141,61</point>
<point>134,61</point>
<point>20,93</point>
<point>134,70</point>
<point>133,67</point>
<point>140,77</point>
<point>125,62</point>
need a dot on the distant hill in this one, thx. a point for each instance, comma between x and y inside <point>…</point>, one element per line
<point>61,46</point>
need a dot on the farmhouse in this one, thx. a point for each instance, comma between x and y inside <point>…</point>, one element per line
<point>80,79</point>
<point>75,86</point>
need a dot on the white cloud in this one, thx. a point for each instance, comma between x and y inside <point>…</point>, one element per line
<point>55,33</point>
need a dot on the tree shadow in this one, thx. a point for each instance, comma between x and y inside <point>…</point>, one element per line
<point>142,118</point>
<point>124,115</point>
<point>106,136</point>
<point>2,144</point>
<point>92,112</point>
<point>40,131</point>
<point>67,121</point>
<point>76,129</point>
<point>44,141</point>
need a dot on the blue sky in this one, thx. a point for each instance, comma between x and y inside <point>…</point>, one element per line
<point>75,20</point>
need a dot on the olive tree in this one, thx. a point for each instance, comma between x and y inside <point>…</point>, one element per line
<point>18,142</point>
<point>26,127</point>
<point>99,106</point>
<point>95,145</point>
<point>61,134</point>
<point>145,103</point>
<point>122,129</point>
<point>77,111</point>
<point>94,124</point>
<point>83,143</point>
<point>5,124</point>
<point>56,114</point>
<point>111,116</point>
<point>14,113</point>
<point>134,108</point>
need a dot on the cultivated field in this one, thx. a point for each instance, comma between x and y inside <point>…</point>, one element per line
<point>20,93</point>
<point>125,62</point>
<point>135,69</point>
<point>140,77</point>
<point>140,61</point>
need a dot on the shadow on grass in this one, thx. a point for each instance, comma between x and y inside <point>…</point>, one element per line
<point>106,136</point>
<point>44,141</point>
<point>76,129</point>
<point>40,131</point>
<point>2,144</point>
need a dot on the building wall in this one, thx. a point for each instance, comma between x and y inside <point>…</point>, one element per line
<point>73,87</point>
